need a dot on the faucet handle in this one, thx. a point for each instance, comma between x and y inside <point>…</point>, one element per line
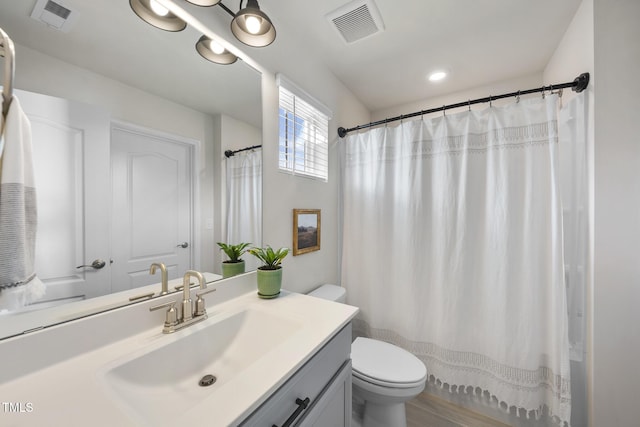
<point>200,307</point>
<point>208,291</point>
<point>166,304</point>
<point>171,318</point>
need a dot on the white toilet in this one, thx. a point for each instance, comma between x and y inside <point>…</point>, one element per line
<point>384,375</point>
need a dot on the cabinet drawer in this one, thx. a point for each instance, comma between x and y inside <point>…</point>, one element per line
<point>307,383</point>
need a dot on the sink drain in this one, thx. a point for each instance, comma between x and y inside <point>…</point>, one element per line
<point>207,380</point>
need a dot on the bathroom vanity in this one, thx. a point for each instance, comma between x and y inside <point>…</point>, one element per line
<point>252,362</point>
<point>307,396</point>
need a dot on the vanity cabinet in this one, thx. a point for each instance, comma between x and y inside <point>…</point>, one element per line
<point>317,395</point>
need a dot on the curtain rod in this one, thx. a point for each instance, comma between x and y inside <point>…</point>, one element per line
<point>578,85</point>
<point>230,153</point>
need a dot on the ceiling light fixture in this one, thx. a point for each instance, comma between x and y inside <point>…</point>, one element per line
<point>157,15</point>
<point>250,25</point>
<point>213,51</point>
<point>437,76</point>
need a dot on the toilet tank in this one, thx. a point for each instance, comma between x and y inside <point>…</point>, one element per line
<point>331,293</point>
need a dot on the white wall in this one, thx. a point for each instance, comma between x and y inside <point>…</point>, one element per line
<point>616,335</point>
<point>574,55</point>
<point>283,192</point>
<point>131,105</point>
<point>41,73</point>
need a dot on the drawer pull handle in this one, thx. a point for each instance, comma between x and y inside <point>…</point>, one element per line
<point>302,405</point>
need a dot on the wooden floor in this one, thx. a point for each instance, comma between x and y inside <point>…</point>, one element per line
<point>427,410</point>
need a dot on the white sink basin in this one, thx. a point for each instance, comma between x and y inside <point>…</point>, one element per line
<point>164,382</point>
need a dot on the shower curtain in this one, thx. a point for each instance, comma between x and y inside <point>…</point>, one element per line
<point>244,201</point>
<point>453,249</point>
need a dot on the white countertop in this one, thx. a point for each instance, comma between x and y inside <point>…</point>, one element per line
<point>74,392</point>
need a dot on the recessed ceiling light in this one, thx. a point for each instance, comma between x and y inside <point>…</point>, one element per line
<point>437,76</point>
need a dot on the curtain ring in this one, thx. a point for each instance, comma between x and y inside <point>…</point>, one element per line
<point>518,97</point>
<point>469,104</point>
<point>543,94</point>
<point>444,111</point>
<point>560,96</point>
<point>490,101</point>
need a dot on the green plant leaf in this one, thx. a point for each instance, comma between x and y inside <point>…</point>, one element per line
<point>234,252</point>
<point>270,259</point>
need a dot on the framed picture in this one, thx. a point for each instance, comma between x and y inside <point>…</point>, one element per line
<point>306,231</point>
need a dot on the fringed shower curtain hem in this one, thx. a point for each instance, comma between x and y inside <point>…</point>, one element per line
<point>462,372</point>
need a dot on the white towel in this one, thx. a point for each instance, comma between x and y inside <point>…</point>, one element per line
<point>19,284</point>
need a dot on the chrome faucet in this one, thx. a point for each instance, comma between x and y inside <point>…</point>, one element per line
<point>188,316</point>
<point>164,278</point>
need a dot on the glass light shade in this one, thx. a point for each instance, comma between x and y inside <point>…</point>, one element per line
<point>253,23</point>
<point>252,27</point>
<point>157,8</point>
<point>203,46</point>
<point>167,22</point>
<point>216,47</point>
<point>205,3</point>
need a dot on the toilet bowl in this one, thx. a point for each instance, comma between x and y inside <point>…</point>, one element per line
<point>384,376</point>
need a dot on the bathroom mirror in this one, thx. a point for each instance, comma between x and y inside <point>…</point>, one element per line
<point>148,83</point>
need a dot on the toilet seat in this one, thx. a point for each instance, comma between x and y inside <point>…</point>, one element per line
<point>386,365</point>
<point>387,384</point>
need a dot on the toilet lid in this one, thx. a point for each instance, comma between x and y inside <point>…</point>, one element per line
<point>383,363</point>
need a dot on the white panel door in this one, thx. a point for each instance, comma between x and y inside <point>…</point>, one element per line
<point>71,152</point>
<point>152,199</point>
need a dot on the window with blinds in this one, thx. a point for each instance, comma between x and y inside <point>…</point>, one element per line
<point>304,137</point>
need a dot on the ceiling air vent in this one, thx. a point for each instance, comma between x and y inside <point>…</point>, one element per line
<point>357,20</point>
<point>55,14</point>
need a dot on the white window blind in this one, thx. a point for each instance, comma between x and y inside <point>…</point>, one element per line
<point>304,136</point>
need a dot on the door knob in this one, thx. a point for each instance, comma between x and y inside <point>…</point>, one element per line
<point>183,245</point>
<point>97,264</point>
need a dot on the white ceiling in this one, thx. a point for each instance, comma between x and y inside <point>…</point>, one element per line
<point>478,41</point>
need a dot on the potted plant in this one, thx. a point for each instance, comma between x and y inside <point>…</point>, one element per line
<point>234,265</point>
<point>270,272</point>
